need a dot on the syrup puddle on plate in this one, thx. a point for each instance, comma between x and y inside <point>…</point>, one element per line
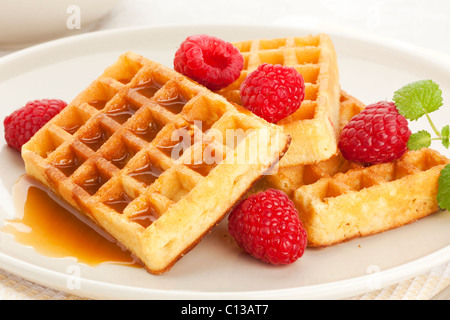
<point>57,231</point>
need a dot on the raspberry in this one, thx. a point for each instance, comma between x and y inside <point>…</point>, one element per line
<point>273,92</point>
<point>209,60</point>
<point>23,123</point>
<point>378,134</point>
<point>267,226</point>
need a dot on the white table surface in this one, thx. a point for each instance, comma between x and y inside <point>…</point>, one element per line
<point>422,23</point>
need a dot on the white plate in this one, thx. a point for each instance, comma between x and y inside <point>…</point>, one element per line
<point>370,69</point>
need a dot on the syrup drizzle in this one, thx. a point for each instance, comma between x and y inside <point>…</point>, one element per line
<point>148,88</point>
<point>120,203</point>
<point>68,165</point>
<point>92,185</point>
<point>174,104</point>
<point>122,159</point>
<point>72,129</point>
<point>123,114</point>
<point>96,141</point>
<point>148,133</point>
<point>146,216</point>
<point>56,231</point>
<point>147,174</point>
<point>176,149</point>
<point>98,104</point>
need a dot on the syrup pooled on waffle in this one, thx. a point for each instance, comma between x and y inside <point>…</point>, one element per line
<point>142,151</point>
<point>339,200</point>
<point>314,126</point>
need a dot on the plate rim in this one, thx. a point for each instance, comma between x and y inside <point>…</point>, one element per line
<point>335,289</point>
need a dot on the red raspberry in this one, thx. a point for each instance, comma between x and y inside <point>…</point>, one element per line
<point>267,226</point>
<point>23,123</point>
<point>208,60</point>
<point>378,134</point>
<point>273,92</point>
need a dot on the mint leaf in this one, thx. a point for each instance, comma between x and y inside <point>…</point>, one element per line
<point>418,98</point>
<point>443,196</point>
<point>445,134</point>
<point>419,140</point>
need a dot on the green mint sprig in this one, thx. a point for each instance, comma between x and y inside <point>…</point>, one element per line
<point>443,196</point>
<point>414,101</point>
<point>419,99</point>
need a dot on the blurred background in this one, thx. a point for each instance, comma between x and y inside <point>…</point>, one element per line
<point>425,23</point>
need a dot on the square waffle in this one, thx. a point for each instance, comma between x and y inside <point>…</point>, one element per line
<point>142,152</point>
<point>314,126</point>
<point>339,200</point>
<point>369,200</point>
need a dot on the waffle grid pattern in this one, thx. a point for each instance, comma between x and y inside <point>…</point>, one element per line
<point>313,127</point>
<point>291,178</point>
<point>112,153</point>
<point>368,200</point>
<point>339,200</point>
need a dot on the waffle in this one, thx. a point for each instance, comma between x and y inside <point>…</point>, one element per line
<point>291,178</point>
<point>142,152</point>
<point>366,201</point>
<point>313,127</point>
<point>339,200</point>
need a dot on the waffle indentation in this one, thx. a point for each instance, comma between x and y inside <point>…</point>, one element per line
<point>125,153</point>
<point>174,141</point>
<point>119,150</point>
<point>91,177</point>
<point>69,161</point>
<point>146,168</point>
<point>145,216</point>
<point>95,135</point>
<point>119,202</point>
<point>78,117</point>
<point>123,111</point>
<point>147,88</point>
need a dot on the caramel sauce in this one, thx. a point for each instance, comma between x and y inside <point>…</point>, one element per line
<point>120,203</point>
<point>175,150</point>
<point>96,141</point>
<point>145,217</point>
<point>147,173</point>
<point>54,230</point>
<point>68,166</point>
<point>92,185</point>
<point>201,168</point>
<point>72,129</point>
<point>169,150</point>
<point>121,160</point>
<point>174,104</point>
<point>123,114</point>
<point>98,104</point>
<point>124,81</point>
<point>148,88</point>
<point>148,133</point>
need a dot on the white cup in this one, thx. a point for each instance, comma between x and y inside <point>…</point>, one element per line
<point>27,22</point>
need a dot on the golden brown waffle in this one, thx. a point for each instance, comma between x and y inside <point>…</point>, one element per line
<point>313,127</point>
<point>366,201</point>
<point>339,200</point>
<point>291,178</point>
<point>134,152</point>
